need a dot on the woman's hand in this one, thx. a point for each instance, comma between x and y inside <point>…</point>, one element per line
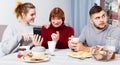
<point>46,26</point>
<point>55,36</point>
<point>26,36</point>
<point>37,40</point>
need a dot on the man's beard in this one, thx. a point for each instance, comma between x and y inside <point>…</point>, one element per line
<point>99,28</point>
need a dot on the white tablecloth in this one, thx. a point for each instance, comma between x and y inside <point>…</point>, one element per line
<point>61,58</point>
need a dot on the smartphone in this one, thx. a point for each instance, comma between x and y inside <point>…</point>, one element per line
<point>37,30</point>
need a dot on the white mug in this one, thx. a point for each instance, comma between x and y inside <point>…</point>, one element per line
<point>75,39</point>
<point>38,49</point>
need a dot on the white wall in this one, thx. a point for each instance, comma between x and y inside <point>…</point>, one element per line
<point>6,11</point>
<point>43,8</point>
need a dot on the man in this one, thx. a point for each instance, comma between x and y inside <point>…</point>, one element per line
<point>96,32</point>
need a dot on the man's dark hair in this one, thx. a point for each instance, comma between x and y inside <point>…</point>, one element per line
<point>95,9</point>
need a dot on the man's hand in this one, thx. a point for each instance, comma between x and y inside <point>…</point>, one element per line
<point>77,46</point>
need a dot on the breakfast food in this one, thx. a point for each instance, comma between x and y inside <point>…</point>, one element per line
<point>98,56</point>
<point>23,48</point>
<point>34,57</point>
<point>80,54</point>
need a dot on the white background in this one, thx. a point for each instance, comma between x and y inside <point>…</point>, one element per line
<point>43,8</point>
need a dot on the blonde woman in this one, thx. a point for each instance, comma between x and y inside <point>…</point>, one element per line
<point>18,33</point>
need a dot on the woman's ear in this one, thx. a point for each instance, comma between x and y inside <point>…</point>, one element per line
<point>23,15</point>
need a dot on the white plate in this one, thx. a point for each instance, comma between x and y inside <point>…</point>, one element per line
<point>81,55</point>
<point>36,61</point>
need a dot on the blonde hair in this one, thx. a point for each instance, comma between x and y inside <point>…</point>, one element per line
<point>22,8</point>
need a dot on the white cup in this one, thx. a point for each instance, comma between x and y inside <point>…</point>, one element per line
<point>38,50</point>
<point>51,46</point>
<point>75,39</point>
